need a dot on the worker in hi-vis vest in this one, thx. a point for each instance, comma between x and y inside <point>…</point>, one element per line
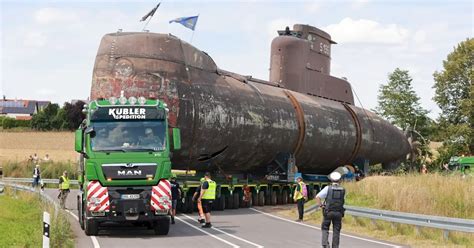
<point>63,189</point>
<point>207,196</point>
<point>300,196</point>
<point>196,195</point>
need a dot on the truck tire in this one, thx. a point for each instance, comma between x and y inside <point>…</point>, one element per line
<point>79,212</point>
<point>229,202</point>
<point>162,227</point>
<point>91,227</point>
<point>280,198</point>
<point>261,198</point>
<point>274,198</point>
<point>236,200</point>
<point>284,197</point>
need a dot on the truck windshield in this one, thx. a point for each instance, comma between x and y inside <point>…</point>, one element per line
<point>128,135</point>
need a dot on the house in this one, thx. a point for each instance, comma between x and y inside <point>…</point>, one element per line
<point>21,109</point>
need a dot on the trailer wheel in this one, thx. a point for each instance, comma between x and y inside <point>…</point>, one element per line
<point>229,202</point>
<point>254,199</point>
<point>284,197</point>
<point>188,204</point>
<point>236,200</point>
<point>162,227</point>
<point>221,203</point>
<point>280,198</point>
<point>274,198</point>
<point>261,198</point>
<point>91,227</point>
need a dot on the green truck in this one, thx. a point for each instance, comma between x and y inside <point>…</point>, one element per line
<point>462,164</point>
<point>124,147</point>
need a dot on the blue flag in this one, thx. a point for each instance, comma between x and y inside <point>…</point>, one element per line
<point>189,22</point>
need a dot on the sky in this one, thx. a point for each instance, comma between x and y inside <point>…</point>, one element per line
<point>48,48</point>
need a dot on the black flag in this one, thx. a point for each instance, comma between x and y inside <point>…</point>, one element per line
<point>151,13</point>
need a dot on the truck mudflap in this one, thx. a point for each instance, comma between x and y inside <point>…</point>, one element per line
<point>97,197</point>
<point>161,196</point>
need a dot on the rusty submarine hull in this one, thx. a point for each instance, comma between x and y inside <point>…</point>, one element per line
<point>238,123</point>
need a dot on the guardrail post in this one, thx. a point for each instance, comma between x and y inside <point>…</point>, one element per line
<point>417,230</point>
<point>46,228</point>
<point>445,235</point>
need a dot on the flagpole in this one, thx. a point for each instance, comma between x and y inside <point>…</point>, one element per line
<point>192,35</point>
<point>146,24</point>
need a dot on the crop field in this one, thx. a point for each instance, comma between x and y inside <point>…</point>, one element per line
<point>17,146</point>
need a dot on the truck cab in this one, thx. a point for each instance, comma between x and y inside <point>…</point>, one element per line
<point>124,148</point>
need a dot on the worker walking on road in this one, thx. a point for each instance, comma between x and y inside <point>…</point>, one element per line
<point>175,196</point>
<point>63,189</point>
<point>197,193</point>
<point>300,196</point>
<point>207,196</point>
<point>333,209</point>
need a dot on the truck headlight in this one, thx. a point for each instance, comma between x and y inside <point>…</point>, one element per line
<point>141,100</point>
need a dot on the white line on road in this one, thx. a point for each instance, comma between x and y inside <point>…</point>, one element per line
<point>317,228</point>
<point>231,235</point>
<point>95,242</point>
<point>208,233</point>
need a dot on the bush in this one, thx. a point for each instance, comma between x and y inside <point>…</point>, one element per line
<point>8,123</point>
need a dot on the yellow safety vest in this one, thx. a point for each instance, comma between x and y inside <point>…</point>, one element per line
<point>65,183</point>
<point>210,193</point>
<point>300,192</point>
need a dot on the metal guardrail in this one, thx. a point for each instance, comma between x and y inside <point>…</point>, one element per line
<point>419,220</point>
<point>30,180</point>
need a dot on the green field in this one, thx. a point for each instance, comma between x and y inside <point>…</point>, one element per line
<point>21,221</point>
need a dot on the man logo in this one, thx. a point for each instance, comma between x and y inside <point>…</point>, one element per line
<point>130,165</point>
<point>129,172</point>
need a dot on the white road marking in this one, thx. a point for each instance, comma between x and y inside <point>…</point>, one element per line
<point>317,228</point>
<point>95,242</point>
<point>208,233</point>
<point>231,235</point>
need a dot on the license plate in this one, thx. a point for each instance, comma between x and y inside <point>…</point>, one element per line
<point>131,197</point>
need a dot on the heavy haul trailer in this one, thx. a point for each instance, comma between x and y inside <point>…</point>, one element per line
<point>124,148</point>
<point>245,190</point>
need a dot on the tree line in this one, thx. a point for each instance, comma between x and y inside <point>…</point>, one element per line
<point>454,94</point>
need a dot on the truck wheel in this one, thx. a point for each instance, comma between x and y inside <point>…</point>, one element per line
<point>261,198</point>
<point>80,212</point>
<point>162,227</point>
<point>274,198</point>
<point>229,202</point>
<point>284,197</point>
<point>280,198</point>
<point>236,200</point>
<point>91,227</point>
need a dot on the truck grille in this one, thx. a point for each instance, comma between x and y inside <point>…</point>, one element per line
<point>129,170</point>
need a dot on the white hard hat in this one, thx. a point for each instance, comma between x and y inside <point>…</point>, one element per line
<point>335,176</point>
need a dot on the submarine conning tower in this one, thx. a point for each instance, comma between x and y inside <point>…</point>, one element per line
<point>300,60</point>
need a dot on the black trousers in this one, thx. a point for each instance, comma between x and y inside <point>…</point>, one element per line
<point>336,219</point>
<point>300,204</point>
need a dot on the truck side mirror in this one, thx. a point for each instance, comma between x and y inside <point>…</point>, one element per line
<point>78,140</point>
<point>176,139</point>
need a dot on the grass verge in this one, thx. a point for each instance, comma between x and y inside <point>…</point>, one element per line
<point>21,221</point>
<point>431,194</point>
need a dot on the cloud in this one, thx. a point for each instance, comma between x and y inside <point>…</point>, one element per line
<point>35,39</point>
<point>367,31</point>
<point>46,92</point>
<point>54,15</point>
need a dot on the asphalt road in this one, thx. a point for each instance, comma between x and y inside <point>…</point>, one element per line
<point>252,227</point>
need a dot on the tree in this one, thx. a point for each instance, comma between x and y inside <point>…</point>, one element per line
<point>399,104</point>
<point>454,94</point>
<point>74,115</point>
